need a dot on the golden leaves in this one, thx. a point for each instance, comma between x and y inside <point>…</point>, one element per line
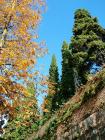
<point>1,63</point>
<point>17,53</point>
<point>46,110</point>
<point>1,1</point>
<point>2,79</point>
<point>15,93</point>
<point>23,64</point>
<point>2,89</point>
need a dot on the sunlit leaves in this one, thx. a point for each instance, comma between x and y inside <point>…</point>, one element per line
<point>18,51</point>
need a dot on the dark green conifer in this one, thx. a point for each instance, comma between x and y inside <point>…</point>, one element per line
<point>67,78</point>
<point>88,43</point>
<point>53,81</point>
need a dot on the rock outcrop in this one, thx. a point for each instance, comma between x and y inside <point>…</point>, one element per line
<point>85,125</point>
<point>82,117</point>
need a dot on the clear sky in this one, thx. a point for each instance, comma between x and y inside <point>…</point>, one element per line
<point>57,23</point>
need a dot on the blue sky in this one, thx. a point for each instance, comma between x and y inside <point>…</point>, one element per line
<point>57,23</point>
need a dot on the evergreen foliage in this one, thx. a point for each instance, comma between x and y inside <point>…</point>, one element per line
<point>88,43</point>
<point>87,48</point>
<point>31,89</point>
<point>53,83</point>
<point>67,79</point>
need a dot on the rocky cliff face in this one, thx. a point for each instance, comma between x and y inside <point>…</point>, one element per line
<point>92,128</point>
<point>81,118</point>
<point>87,121</point>
<point>87,126</point>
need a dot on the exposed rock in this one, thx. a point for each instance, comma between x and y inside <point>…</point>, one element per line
<point>82,117</point>
<point>92,128</point>
<point>82,127</point>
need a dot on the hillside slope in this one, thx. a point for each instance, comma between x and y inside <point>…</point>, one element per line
<point>82,117</point>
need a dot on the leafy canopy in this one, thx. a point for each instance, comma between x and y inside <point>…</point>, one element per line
<point>18,51</point>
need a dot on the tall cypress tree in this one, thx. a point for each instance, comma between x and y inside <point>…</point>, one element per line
<point>53,81</point>
<point>88,43</point>
<point>67,79</point>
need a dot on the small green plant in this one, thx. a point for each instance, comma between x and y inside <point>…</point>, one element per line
<point>50,131</point>
<point>100,86</point>
<point>70,110</point>
<point>87,95</point>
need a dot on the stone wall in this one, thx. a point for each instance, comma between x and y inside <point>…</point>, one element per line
<point>91,128</point>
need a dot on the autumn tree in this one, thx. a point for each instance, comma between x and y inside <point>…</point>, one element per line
<point>26,120</point>
<point>18,51</point>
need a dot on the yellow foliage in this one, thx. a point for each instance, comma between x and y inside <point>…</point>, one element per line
<point>46,110</point>
<point>17,50</point>
<point>2,89</point>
